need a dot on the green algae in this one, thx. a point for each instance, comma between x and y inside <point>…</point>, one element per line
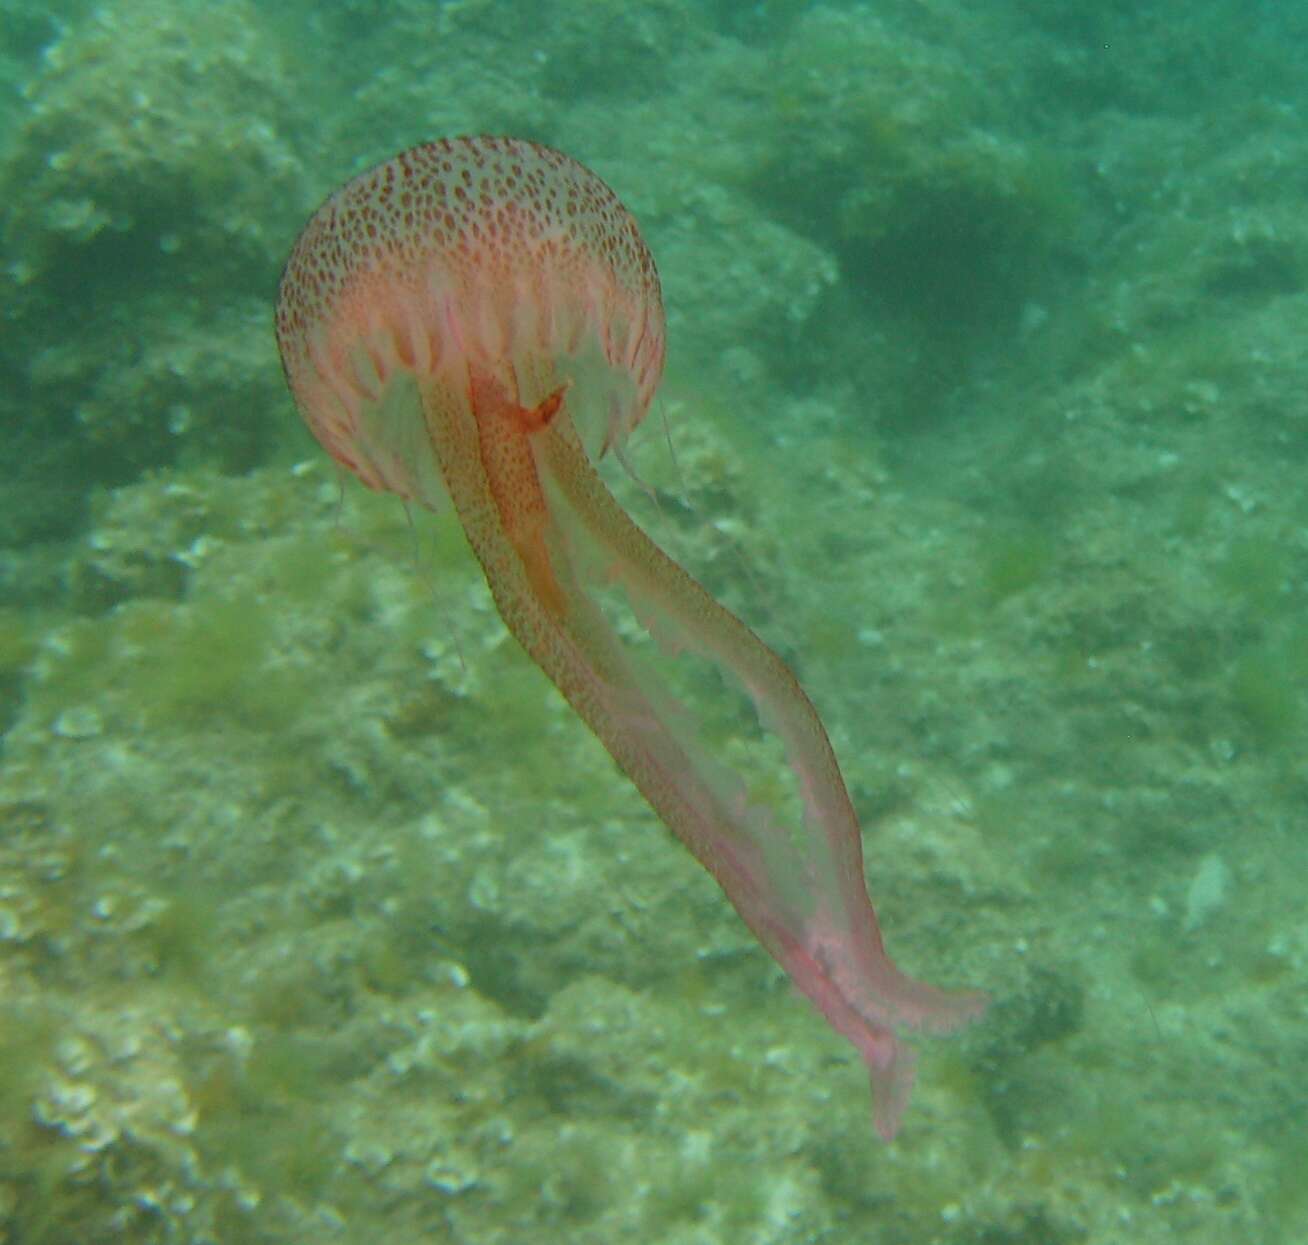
<point>1011,565</point>
<point>1255,571</point>
<point>18,642</point>
<point>263,1115</point>
<point>1267,690</point>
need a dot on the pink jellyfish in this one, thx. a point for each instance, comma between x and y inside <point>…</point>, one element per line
<point>478,319</point>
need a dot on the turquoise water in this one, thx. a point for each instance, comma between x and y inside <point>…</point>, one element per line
<point>322,917</point>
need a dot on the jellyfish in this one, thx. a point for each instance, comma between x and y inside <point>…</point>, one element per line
<point>473,323</point>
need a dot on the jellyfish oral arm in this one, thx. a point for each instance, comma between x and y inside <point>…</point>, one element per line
<point>545,527</point>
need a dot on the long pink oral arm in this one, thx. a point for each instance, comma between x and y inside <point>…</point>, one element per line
<point>808,907</point>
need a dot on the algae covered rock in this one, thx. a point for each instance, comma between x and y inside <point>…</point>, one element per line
<point>885,148</point>
<point>151,170</point>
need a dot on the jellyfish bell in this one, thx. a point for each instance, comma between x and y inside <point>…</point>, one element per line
<point>487,257</point>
